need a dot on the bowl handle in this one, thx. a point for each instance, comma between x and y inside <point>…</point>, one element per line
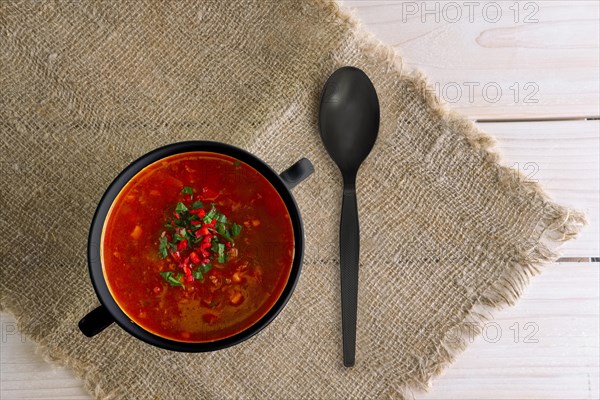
<point>298,172</point>
<point>95,321</point>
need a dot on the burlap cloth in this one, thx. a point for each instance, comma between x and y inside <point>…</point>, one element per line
<point>447,233</point>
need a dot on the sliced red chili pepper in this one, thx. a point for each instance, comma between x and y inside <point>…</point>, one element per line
<point>176,215</point>
<point>194,257</point>
<point>203,230</point>
<point>228,244</point>
<point>199,212</point>
<point>196,222</point>
<point>182,245</point>
<point>176,256</point>
<point>187,270</point>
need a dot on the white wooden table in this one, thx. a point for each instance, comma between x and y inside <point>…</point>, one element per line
<point>528,73</point>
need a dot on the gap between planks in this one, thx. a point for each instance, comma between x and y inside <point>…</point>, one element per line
<point>533,119</point>
<point>577,259</point>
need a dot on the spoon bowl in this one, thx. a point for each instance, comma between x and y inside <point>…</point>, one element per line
<point>349,118</point>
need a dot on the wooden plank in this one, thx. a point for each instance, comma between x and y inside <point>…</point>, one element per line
<point>554,356</point>
<point>563,156</point>
<point>540,59</point>
<point>25,375</point>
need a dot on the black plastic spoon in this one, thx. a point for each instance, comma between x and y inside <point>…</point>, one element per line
<point>349,123</point>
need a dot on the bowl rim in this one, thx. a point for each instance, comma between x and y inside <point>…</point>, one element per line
<point>97,225</point>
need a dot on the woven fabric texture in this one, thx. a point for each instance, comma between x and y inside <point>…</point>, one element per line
<point>447,233</point>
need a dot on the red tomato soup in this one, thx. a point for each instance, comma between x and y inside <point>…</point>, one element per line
<point>197,247</point>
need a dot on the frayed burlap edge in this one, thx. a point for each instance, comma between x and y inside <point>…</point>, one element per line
<point>558,224</point>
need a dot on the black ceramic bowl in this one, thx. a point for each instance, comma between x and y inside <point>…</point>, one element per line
<point>109,312</point>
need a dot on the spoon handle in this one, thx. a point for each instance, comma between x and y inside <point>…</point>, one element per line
<point>349,254</point>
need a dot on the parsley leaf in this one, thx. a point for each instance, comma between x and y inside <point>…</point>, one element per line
<point>197,204</point>
<point>162,247</point>
<point>180,223</point>
<point>198,275</point>
<point>235,229</point>
<point>187,190</point>
<point>172,280</point>
<point>223,232</point>
<point>205,267</point>
<point>221,252</point>
<point>180,207</point>
<point>211,214</point>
